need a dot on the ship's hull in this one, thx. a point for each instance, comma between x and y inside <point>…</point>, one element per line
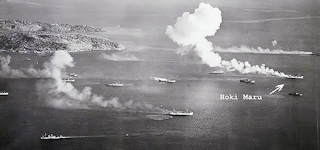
<point>51,138</point>
<point>181,114</point>
<point>68,80</point>
<point>295,94</point>
<point>295,77</point>
<point>171,81</point>
<point>247,81</point>
<point>115,85</point>
<point>4,93</point>
<point>216,72</point>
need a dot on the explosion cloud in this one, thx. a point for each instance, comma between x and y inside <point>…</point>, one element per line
<point>190,32</point>
<point>192,29</point>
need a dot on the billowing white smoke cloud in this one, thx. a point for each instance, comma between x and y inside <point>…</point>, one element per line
<point>61,94</point>
<point>192,29</point>
<point>6,70</point>
<point>30,72</point>
<point>245,67</point>
<point>190,32</point>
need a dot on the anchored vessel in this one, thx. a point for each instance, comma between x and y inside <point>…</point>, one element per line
<point>26,58</point>
<point>171,81</point>
<point>164,80</point>
<point>51,137</point>
<point>72,74</point>
<point>246,80</point>
<point>295,77</point>
<point>4,93</point>
<point>217,72</point>
<point>180,113</point>
<point>117,84</point>
<point>317,54</point>
<point>296,94</point>
<point>161,79</point>
<point>68,80</point>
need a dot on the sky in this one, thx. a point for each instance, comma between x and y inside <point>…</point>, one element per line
<point>48,10</point>
<point>155,16</point>
<point>308,6</point>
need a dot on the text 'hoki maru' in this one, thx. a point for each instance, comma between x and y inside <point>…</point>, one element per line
<point>239,97</point>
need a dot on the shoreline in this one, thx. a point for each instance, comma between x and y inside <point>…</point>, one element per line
<point>25,36</point>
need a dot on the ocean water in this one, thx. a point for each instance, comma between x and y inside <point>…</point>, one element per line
<point>277,121</point>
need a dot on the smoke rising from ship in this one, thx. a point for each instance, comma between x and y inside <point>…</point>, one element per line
<point>6,70</point>
<point>246,67</point>
<point>190,32</point>
<point>259,50</point>
<point>61,94</point>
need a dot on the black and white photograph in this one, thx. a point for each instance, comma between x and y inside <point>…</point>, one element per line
<point>169,74</point>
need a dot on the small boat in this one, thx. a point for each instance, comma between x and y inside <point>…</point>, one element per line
<point>295,77</point>
<point>296,94</point>
<point>72,74</point>
<point>161,79</point>
<point>217,72</point>
<point>117,84</point>
<point>4,93</point>
<point>246,80</point>
<point>68,80</point>
<point>171,81</point>
<point>37,52</point>
<point>51,137</point>
<point>180,113</point>
<point>27,59</point>
<point>22,52</point>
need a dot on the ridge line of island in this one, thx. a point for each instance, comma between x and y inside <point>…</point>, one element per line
<point>36,37</point>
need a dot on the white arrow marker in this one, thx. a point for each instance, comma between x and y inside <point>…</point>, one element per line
<point>278,88</point>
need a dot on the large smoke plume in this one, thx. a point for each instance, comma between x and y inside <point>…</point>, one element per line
<point>6,70</point>
<point>60,94</point>
<point>191,30</point>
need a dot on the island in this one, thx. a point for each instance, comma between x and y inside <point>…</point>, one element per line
<point>36,37</point>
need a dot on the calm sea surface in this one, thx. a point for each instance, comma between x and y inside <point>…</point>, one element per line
<point>277,121</point>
